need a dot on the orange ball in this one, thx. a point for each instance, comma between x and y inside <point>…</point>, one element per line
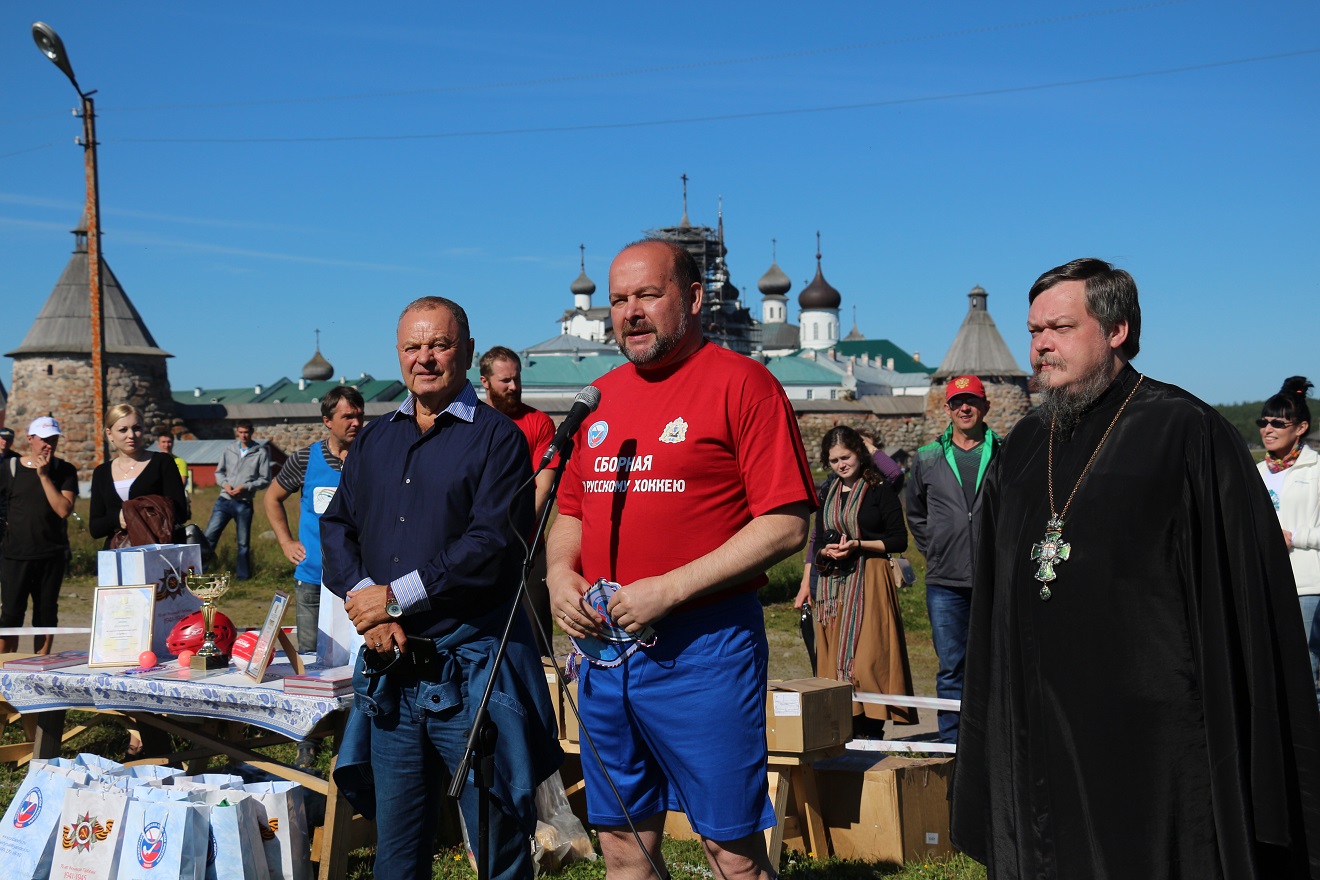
<point>185,657</point>
<point>146,659</point>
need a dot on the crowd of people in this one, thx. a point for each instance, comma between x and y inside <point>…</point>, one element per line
<point>1117,559</point>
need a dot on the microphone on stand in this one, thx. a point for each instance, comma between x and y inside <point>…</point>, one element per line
<point>583,405</point>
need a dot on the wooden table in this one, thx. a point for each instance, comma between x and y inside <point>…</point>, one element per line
<point>209,736</point>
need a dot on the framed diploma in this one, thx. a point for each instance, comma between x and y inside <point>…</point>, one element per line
<point>268,639</point>
<point>122,619</point>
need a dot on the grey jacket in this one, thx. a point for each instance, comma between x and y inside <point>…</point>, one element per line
<point>944,529</point>
<point>251,471</point>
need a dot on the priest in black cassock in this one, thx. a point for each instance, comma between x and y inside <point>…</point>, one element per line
<point>1137,702</point>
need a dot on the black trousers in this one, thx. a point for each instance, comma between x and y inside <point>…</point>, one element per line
<point>38,579</point>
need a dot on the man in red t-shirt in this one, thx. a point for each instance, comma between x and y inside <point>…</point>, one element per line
<point>688,482</point>
<point>501,376</point>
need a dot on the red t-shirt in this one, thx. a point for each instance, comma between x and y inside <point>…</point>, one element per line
<point>674,462</point>
<point>539,430</point>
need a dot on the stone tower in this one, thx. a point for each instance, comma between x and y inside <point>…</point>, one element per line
<point>980,350</point>
<point>53,365</point>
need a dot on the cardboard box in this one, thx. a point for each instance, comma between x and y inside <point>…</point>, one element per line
<point>887,809</point>
<point>556,693</point>
<point>807,713</point>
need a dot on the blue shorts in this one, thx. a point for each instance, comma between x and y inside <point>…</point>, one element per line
<point>681,725</point>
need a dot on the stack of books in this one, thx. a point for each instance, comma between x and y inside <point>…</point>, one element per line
<point>43,662</point>
<point>325,683</point>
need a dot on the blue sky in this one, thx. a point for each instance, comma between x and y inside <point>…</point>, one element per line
<point>269,169</point>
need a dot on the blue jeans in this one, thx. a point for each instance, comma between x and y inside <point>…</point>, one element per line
<point>949,609</point>
<point>239,510</point>
<point>1311,620</point>
<point>415,745</point>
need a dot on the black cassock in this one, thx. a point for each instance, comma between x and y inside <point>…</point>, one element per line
<point>1154,718</point>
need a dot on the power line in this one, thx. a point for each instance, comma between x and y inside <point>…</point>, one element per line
<point>666,68</point>
<point>755,114</point>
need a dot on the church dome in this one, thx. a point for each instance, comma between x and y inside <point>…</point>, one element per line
<point>318,369</point>
<point>582,285</point>
<point>819,294</point>
<point>774,282</point>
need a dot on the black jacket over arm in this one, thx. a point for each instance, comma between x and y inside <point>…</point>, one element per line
<point>159,476</point>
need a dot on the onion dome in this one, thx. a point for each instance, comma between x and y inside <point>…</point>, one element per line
<point>819,294</point>
<point>774,282</point>
<point>318,369</point>
<point>582,285</point>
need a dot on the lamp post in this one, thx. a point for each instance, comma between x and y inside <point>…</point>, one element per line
<point>52,47</point>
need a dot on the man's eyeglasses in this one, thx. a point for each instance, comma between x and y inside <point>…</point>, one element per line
<point>1273,423</point>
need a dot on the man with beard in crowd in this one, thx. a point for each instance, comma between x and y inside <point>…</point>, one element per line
<point>1136,701</point>
<point>501,376</point>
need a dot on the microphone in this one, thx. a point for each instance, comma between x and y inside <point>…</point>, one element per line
<point>583,405</point>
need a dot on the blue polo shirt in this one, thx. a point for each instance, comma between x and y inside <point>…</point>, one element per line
<point>434,515</point>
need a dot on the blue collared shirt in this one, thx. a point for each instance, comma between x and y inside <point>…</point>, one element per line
<point>429,513</point>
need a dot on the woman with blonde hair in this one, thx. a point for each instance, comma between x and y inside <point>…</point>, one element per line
<point>134,484</point>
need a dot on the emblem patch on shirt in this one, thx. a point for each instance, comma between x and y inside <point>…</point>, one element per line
<point>675,431</point>
<point>597,433</point>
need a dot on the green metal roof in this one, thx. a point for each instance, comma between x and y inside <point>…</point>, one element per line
<point>560,371</point>
<point>801,371</point>
<point>283,390</point>
<point>883,349</point>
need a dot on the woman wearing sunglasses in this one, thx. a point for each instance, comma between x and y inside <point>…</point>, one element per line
<point>1291,471</point>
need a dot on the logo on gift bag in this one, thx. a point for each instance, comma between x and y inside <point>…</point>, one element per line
<point>84,832</point>
<point>151,845</point>
<point>270,829</point>
<point>170,584</point>
<point>29,809</point>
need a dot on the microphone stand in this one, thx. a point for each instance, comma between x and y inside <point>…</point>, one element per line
<point>484,734</point>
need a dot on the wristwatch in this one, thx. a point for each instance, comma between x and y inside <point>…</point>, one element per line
<point>392,606</point>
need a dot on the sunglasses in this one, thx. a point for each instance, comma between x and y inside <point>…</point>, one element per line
<point>1273,423</point>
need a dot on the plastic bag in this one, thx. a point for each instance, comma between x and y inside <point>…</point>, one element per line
<point>560,839</point>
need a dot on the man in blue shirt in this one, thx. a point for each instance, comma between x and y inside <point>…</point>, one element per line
<point>421,541</point>
<point>314,471</point>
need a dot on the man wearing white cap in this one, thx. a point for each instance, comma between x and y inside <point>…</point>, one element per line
<point>39,489</point>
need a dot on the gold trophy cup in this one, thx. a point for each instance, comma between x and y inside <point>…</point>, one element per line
<point>208,588</point>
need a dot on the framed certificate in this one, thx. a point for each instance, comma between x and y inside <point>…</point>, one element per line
<point>268,639</point>
<point>122,619</point>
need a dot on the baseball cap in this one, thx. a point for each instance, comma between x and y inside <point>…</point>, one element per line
<point>7,433</point>
<point>964,385</point>
<point>45,428</point>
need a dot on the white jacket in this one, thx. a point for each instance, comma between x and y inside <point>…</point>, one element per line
<point>1299,513</point>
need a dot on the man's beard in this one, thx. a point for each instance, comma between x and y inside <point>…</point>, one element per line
<point>509,404</point>
<point>1066,405</point>
<point>664,342</point>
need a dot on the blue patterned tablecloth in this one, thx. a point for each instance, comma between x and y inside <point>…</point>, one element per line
<point>229,696</point>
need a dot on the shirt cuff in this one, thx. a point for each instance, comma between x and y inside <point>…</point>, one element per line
<point>410,593</point>
<point>365,582</point>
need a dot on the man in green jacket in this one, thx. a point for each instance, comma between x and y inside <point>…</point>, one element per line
<point>943,501</point>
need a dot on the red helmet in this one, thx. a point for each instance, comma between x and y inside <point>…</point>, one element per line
<point>189,633</point>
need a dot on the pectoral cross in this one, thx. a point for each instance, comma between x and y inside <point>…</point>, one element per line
<point>1049,553</point>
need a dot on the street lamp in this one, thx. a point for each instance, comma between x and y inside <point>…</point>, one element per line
<point>52,47</point>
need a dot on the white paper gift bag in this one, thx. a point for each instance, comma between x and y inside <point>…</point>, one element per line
<point>164,839</point>
<point>236,851</point>
<point>164,566</point>
<point>337,640</point>
<point>288,846</point>
<point>27,833</point>
<point>90,834</point>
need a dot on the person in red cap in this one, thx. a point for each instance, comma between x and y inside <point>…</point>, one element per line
<point>943,500</point>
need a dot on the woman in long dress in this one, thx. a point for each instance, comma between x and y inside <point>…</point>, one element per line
<point>859,630</point>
